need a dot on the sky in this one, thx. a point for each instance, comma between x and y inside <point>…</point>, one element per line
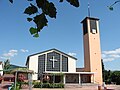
<point>63,33</point>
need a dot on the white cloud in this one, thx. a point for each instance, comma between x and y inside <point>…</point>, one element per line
<point>116,51</point>
<point>114,56</point>
<point>108,59</point>
<point>3,58</point>
<point>103,55</point>
<point>11,53</point>
<point>111,55</point>
<point>72,54</point>
<point>24,50</point>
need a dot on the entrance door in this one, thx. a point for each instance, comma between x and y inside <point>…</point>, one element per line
<point>85,78</point>
<point>72,78</point>
<point>57,79</point>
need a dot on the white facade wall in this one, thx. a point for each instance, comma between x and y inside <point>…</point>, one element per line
<point>71,65</point>
<point>33,65</point>
<point>1,68</point>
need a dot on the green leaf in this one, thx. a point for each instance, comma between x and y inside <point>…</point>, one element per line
<point>74,2</point>
<point>29,19</point>
<point>111,8</point>
<point>49,9</point>
<point>11,1</point>
<point>36,35</point>
<point>61,1</point>
<point>31,10</point>
<point>33,30</point>
<point>40,3</point>
<point>40,21</point>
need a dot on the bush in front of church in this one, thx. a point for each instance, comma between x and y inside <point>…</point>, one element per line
<point>56,85</point>
<point>48,85</point>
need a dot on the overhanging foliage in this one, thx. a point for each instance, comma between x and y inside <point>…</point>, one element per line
<point>39,9</point>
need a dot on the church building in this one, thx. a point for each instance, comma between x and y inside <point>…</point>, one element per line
<point>51,65</point>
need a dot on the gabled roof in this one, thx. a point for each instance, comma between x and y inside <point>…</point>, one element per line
<point>51,50</point>
<point>91,18</point>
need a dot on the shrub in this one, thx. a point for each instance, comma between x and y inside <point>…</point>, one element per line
<point>37,84</point>
<point>57,85</point>
<point>48,85</point>
<point>17,87</point>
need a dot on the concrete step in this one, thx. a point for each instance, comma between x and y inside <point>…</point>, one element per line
<point>72,85</point>
<point>80,85</point>
<point>89,84</point>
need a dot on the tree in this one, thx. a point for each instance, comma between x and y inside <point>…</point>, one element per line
<point>106,74</point>
<point>103,70</point>
<point>37,13</point>
<point>6,66</point>
<point>115,77</point>
<point>110,76</point>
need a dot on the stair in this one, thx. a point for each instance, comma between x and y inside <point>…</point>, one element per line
<point>72,85</point>
<point>89,84</point>
<point>84,85</point>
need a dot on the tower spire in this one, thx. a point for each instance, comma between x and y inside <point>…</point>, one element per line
<point>88,9</point>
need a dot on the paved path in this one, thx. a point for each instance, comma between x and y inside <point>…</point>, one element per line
<point>109,87</point>
<point>4,86</point>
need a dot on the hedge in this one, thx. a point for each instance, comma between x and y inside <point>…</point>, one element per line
<point>48,85</point>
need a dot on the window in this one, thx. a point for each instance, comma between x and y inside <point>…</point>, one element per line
<point>41,66</point>
<point>64,64</point>
<point>50,62</point>
<point>93,26</point>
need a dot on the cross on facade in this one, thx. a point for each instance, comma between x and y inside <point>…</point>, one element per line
<point>53,61</point>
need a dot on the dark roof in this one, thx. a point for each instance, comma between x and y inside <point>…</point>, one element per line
<point>48,51</point>
<point>8,75</point>
<point>0,62</point>
<point>22,70</point>
<point>80,69</point>
<point>92,18</point>
<point>15,66</point>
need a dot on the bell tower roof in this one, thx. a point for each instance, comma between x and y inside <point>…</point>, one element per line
<point>91,18</point>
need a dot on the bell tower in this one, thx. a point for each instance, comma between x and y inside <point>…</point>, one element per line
<point>92,50</point>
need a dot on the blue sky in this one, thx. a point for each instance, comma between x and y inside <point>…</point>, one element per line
<point>63,33</point>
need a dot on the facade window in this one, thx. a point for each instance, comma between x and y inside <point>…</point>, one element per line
<point>93,26</point>
<point>41,66</point>
<point>53,65</point>
<point>64,64</point>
